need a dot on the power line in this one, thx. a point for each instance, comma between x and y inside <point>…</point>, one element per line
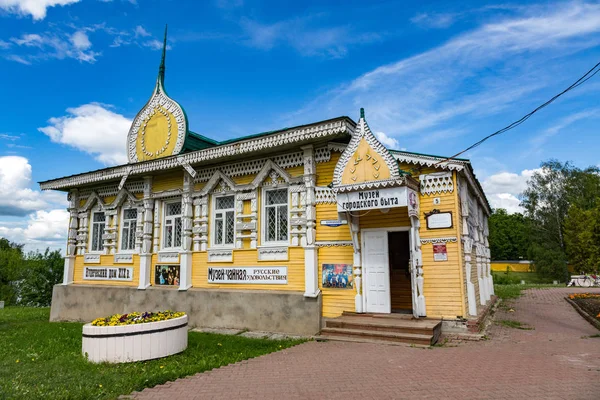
<point>588,75</point>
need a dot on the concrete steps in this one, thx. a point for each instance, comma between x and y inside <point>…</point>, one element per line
<point>382,328</point>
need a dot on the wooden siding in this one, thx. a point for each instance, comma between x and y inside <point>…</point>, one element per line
<point>106,261</point>
<point>249,258</point>
<point>170,181</point>
<point>336,301</point>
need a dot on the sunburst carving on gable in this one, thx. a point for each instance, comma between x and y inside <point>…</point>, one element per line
<point>365,159</point>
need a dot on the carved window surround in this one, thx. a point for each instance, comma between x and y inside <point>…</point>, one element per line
<point>168,256</point>
<point>273,253</point>
<point>91,258</point>
<point>123,258</point>
<point>220,255</point>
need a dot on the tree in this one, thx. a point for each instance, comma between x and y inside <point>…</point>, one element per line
<point>509,237</point>
<point>558,203</point>
<point>11,262</point>
<point>41,273</point>
<point>546,203</point>
<point>582,236</point>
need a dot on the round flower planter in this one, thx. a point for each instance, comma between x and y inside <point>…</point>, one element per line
<point>138,342</point>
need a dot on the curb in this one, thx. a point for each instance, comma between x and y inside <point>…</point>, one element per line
<point>584,314</point>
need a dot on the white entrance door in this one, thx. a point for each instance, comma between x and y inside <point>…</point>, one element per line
<point>377,271</point>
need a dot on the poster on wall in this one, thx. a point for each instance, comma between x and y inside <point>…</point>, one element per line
<point>337,276</point>
<point>440,253</point>
<point>251,275</point>
<point>166,275</point>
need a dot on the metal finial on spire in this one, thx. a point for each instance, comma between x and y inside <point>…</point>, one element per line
<point>362,113</point>
<point>161,69</point>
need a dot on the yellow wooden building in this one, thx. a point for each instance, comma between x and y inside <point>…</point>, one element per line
<point>272,231</point>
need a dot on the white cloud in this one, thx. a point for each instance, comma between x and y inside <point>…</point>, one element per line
<point>435,20</point>
<point>539,140</point>
<point>53,45</point>
<point>40,230</point>
<point>16,196</point>
<point>474,74</point>
<point>387,141</point>
<point>331,42</point>
<point>4,45</point>
<point>80,40</point>
<point>92,128</point>
<point>36,8</point>
<point>503,189</point>
<point>139,31</point>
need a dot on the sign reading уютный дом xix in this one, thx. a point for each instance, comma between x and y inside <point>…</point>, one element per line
<point>372,199</point>
<point>254,275</point>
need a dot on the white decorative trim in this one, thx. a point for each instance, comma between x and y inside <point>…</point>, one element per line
<point>91,258</point>
<point>113,190</point>
<point>401,181</point>
<point>337,147</point>
<point>439,240</point>
<point>334,243</point>
<point>429,161</point>
<point>273,254</point>
<point>167,194</point>
<point>324,195</point>
<point>288,137</point>
<point>220,255</point>
<point>322,154</point>
<point>436,183</point>
<point>168,257</point>
<point>123,258</point>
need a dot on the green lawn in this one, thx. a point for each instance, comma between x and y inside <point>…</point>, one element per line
<point>502,278</point>
<point>39,359</point>
<point>514,290</point>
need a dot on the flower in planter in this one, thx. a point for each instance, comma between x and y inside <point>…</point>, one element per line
<point>137,318</point>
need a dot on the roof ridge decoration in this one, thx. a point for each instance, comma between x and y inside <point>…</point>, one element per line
<point>365,161</point>
<point>160,128</point>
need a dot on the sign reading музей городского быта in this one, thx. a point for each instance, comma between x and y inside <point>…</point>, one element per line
<point>372,199</point>
<point>252,275</point>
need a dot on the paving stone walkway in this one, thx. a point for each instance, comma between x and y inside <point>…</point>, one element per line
<point>555,360</point>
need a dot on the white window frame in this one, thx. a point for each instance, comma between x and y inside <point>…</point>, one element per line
<point>164,225</point>
<point>263,219</point>
<point>91,232</point>
<point>213,233</point>
<point>121,249</point>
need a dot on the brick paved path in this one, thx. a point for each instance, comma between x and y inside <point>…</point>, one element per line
<point>553,361</point>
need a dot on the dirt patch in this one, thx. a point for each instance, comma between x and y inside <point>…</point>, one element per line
<point>590,306</point>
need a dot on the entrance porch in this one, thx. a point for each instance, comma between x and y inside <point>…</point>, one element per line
<point>382,328</point>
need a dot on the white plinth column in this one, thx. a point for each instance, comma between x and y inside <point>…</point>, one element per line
<point>72,237</point>
<point>146,239</point>
<point>311,266</point>
<point>311,272</point>
<point>69,270</point>
<point>417,266</point>
<point>145,271</point>
<point>185,257</point>
<point>481,281</point>
<point>357,260</point>
<point>471,300</point>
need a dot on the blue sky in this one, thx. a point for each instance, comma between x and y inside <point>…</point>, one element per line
<point>433,78</point>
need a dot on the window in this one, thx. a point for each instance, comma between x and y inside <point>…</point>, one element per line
<point>128,229</point>
<point>224,221</point>
<point>173,228</point>
<point>98,225</point>
<point>276,215</point>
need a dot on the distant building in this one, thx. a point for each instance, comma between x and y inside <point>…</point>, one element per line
<point>272,231</point>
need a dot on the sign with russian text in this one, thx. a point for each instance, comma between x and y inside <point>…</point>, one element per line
<point>440,252</point>
<point>108,273</point>
<point>334,223</point>
<point>250,275</point>
<point>372,199</point>
<point>439,220</point>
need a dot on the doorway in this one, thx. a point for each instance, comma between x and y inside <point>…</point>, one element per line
<point>400,279</point>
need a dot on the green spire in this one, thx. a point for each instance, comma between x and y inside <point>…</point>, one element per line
<point>362,113</point>
<point>161,69</point>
